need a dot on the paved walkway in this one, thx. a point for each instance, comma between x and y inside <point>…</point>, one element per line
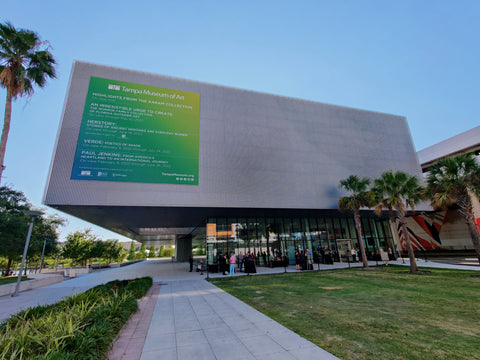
<point>196,320</point>
<point>186,317</point>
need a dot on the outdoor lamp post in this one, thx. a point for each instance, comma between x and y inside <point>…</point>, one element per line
<point>32,214</point>
<point>207,262</point>
<point>43,253</point>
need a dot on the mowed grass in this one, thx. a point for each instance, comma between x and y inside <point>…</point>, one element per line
<point>384,313</point>
<point>11,279</point>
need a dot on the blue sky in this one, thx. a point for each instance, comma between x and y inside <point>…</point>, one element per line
<point>418,59</point>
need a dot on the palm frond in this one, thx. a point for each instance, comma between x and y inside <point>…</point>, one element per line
<point>23,61</point>
<point>453,176</point>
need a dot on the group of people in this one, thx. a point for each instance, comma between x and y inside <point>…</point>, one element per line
<point>230,264</point>
<point>303,260</point>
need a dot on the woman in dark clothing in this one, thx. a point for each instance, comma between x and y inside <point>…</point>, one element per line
<point>225,264</point>
<point>303,260</point>
<point>221,263</point>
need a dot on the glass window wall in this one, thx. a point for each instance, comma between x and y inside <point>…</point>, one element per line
<point>273,241</point>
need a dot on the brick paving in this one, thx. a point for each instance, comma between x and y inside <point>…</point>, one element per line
<point>129,343</point>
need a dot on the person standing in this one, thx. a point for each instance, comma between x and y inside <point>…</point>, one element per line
<point>303,260</point>
<point>322,255</point>
<point>225,261</point>
<point>240,261</point>
<point>297,260</point>
<point>308,258</point>
<point>233,262</point>
<point>190,260</point>
<point>221,263</point>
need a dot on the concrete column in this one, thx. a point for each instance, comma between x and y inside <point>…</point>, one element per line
<point>183,248</point>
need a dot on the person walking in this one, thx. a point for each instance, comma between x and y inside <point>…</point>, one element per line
<point>233,262</point>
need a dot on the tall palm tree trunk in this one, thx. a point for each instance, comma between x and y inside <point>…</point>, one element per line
<point>467,214</point>
<point>5,131</point>
<point>411,253</point>
<point>8,267</point>
<point>472,227</point>
<point>358,226</point>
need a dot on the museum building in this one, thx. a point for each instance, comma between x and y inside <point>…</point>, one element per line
<point>166,160</point>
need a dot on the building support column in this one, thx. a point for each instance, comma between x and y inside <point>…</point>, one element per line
<point>183,248</point>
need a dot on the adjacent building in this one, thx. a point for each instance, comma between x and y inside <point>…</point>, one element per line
<point>444,230</point>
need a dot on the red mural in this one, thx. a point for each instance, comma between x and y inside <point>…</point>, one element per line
<point>432,231</point>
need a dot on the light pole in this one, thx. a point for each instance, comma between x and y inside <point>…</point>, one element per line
<point>32,214</point>
<point>43,253</point>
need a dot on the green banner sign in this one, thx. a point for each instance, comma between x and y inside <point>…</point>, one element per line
<point>138,133</point>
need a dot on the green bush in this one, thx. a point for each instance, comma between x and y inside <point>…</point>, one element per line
<point>169,252</point>
<point>80,327</point>
<point>140,287</point>
<point>160,251</point>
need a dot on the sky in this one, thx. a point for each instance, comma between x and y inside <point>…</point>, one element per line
<point>419,59</point>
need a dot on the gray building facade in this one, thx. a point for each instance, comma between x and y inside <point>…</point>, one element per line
<point>259,156</point>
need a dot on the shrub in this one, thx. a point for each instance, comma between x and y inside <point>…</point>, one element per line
<point>169,252</point>
<point>80,327</point>
<point>139,287</point>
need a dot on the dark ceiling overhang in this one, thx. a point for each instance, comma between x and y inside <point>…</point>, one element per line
<point>148,223</point>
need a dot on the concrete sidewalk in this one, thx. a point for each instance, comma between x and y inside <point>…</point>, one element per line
<point>196,320</point>
<point>186,317</point>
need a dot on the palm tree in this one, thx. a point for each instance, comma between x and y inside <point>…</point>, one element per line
<point>396,192</point>
<point>23,63</point>
<point>455,181</point>
<point>360,197</point>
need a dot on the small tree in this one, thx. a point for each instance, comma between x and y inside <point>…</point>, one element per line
<point>142,254</point>
<point>396,192</point>
<point>113,251</point>
<point>98,249</point>
<point>44,233</point>
<point>169,252</point>
<point>152,252</point>
<point>201,249</point>
<point>80,246</point>
<point>160,251</point>
<point>13,224</point>
<point>131,252</point>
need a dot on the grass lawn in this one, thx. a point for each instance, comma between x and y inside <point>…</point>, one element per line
<point>386,313</point>
<point>11,279</point>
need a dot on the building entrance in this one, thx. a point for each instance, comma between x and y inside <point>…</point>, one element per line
<point>274,241</point>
